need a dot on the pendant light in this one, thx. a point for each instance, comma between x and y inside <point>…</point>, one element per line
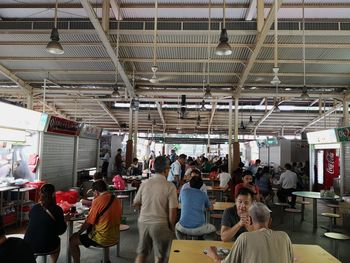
<point>54,47</point>
<point>276,81</point>
<point>304,94</point>
<point>224,48</point>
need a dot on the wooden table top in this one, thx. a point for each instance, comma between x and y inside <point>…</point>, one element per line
<point>215,188</point>
<point>222,205</point>
<point>186,251</point>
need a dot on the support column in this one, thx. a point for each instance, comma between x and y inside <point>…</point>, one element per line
<point>136,120</point>
<point>230,137</point>
<point>30,101</point>
<point>345,113</point>
<point>128,157</point>
<point>208,144</point>
<point>236,153</point>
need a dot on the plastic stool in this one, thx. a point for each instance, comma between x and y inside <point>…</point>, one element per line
<point>335,237</point>
<point>330,216</point>
<point>293,211</point>
<point>44,255</point>
<point>106,251</point>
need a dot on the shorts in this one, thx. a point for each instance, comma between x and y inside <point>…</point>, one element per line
<point>158,236</point>
<point>86,241</point>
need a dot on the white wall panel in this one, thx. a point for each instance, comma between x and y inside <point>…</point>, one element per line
<point>58,160</point>
<point>87,153</point>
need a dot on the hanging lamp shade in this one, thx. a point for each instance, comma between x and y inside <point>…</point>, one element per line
<point>250,119</point>
<point>54,47</point>
<point>304,94</point>
<point>207,94</point>
<point>224,48</point>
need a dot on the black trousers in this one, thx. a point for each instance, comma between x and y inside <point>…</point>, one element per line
<point>284,193</point>
<point>104,170</point>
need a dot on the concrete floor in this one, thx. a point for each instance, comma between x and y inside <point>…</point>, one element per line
<point>303,234</point>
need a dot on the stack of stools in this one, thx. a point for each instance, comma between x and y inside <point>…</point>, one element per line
<point>282,206</point>
<point>292,211</point>
<point>336,237</point>
<point>302,203</point>
<point>330,216</point>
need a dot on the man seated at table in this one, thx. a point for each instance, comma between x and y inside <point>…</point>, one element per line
<point>261,245</point>
<point>191,166</point>
<point>235,220</point>
<point>288,182</point>
<point>103,219</point>
<point>194,172</point>
<point>194,203</point>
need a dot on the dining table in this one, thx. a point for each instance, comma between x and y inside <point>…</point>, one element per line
<point>314,196</point>
<point>192,251</point>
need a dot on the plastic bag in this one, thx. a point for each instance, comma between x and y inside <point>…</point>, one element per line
<point>119,183</point>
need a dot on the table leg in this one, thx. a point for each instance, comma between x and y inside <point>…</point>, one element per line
<point>69,233</point>
<point>314,212</point>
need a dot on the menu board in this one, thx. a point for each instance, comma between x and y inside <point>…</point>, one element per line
<point>90,131</point>
<point>324,136</point>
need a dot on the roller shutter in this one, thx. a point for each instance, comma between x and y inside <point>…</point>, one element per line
<point>87,153</point>
<point>58,160</point>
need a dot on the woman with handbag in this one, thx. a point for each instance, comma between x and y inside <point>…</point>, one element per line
<point>46,224</point>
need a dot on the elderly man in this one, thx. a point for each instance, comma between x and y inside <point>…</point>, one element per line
<point>235,220</point>
<point>157,199</point>
<point>262,245</point>
<point>175,171</point>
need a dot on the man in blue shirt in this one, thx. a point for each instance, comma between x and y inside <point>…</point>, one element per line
<point>175,170</point>
<point>194,203</point>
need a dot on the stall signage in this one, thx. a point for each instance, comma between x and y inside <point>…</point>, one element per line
<point>63,126</point>
<point>272,141</point>
<point>324,136</point>
<point>343,134</point>
<point>90,131</point>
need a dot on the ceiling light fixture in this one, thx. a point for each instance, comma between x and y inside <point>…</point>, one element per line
<point>207,94</point>
<point>54,47</point>
<point>224,48</point>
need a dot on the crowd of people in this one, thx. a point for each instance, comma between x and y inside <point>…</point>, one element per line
<point>176,179</point>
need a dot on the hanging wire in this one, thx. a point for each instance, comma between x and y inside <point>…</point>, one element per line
<point>56,7</point>
<point>224,15</point>
<point>276,36</point>
<point>209,42</point>
<point>304,57</point>
<point>155,33</point>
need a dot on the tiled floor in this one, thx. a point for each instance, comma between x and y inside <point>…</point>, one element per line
<point>303,234</point>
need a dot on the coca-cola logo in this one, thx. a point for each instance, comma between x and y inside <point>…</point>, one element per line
<point>344,132</point>
<point>330,157</point>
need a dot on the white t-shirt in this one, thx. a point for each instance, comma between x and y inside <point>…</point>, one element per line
<point>224,179</point>
<point>175,169</point>
<point>288,180</point>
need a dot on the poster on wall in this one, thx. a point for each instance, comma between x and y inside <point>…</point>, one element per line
<point>343,134</point>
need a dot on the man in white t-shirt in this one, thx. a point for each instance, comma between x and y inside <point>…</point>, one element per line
<point>174,174</point>
<point>288,181</point>
<point>224,177</point>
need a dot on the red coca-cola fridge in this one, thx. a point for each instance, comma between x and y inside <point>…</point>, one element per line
<point>330,167</point>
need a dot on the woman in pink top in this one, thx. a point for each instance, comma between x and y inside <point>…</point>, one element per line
<point>247,178</point>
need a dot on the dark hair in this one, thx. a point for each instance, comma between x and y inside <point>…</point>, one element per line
<point>257,161</point>
<point>192,163</point>
<point>160,164</point>
<point>266,170</point>
<point>182,156</point>
<point>2,229</point>
<point>247,172</point>
<point>119,150</point>
<point>99,186</point>
<point>98,176</point>
<point>197,172</point>
<point>135,160</point>
<point>223,169</point>
<point>47,196</point>
<point>246,192</point>
<point>196,182</point>
<point>288,166</point>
